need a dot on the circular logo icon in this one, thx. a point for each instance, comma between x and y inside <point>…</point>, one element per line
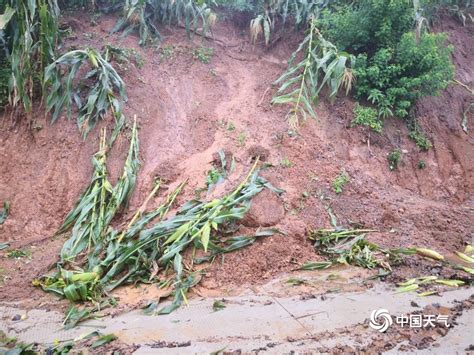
<point>380,320</point>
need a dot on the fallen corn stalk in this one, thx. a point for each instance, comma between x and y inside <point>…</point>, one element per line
<point>349,246</point>
<point>97,258</point>
<point>98,205</point>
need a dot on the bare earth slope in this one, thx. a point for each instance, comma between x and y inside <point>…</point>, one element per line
<point>188,110</point>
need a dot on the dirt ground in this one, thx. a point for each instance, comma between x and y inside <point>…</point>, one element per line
<point>187,111</point>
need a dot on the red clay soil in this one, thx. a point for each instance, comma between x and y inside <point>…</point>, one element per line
<point>186,110</point>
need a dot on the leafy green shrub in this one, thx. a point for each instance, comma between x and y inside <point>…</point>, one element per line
<point>394,79</point>
<point>368,25</point>
<point>286,163</point>
<point>394,66</point>
<point>394,159</point>
<point>421,164</point>
<point>367,116</point>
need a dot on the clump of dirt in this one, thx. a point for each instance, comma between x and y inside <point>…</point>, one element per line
<point>188,111</point>
<point>259,152</point>
<point>266,210</point>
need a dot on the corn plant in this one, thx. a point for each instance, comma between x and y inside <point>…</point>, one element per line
<point>322,66</point>
<point>104,94</point>
<point>31,28</point>
<point>145,14</point>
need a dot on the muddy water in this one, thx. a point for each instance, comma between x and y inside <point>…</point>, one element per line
<point>256,319</point>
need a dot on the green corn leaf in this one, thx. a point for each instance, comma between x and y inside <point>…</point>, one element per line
<point>104,339</point>
<point>408,288</point>
<point>451,283</point>
<point>316,265</point>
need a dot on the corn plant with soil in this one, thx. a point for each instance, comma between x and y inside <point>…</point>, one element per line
<point>98,258</point>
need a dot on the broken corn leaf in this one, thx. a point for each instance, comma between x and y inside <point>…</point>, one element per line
<point>407,283</point>
<point>205,234</point>
<point>429,254</point>
<point>104,340</point>
<point>427,293</point>
<point>468,270</point>
<point>451,283</point>
<point>408,288</point>
<point>469,250</point>
<point>427,279</point>
<point>316,266</point>
<point>464,257</point>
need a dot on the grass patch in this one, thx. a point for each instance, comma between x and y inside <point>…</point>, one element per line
<point>203,54</point>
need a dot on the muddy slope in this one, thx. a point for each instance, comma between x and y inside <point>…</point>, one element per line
<point>188,110</point>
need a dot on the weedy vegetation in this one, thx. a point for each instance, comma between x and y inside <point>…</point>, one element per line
<point>417,135</point>
<point>394,158</point>
<point>18,253</point>
<point>367,116</point>
<point>339,182</point>
<point>203,54</point>
<point>218,306</point>
<point>241,139</point>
